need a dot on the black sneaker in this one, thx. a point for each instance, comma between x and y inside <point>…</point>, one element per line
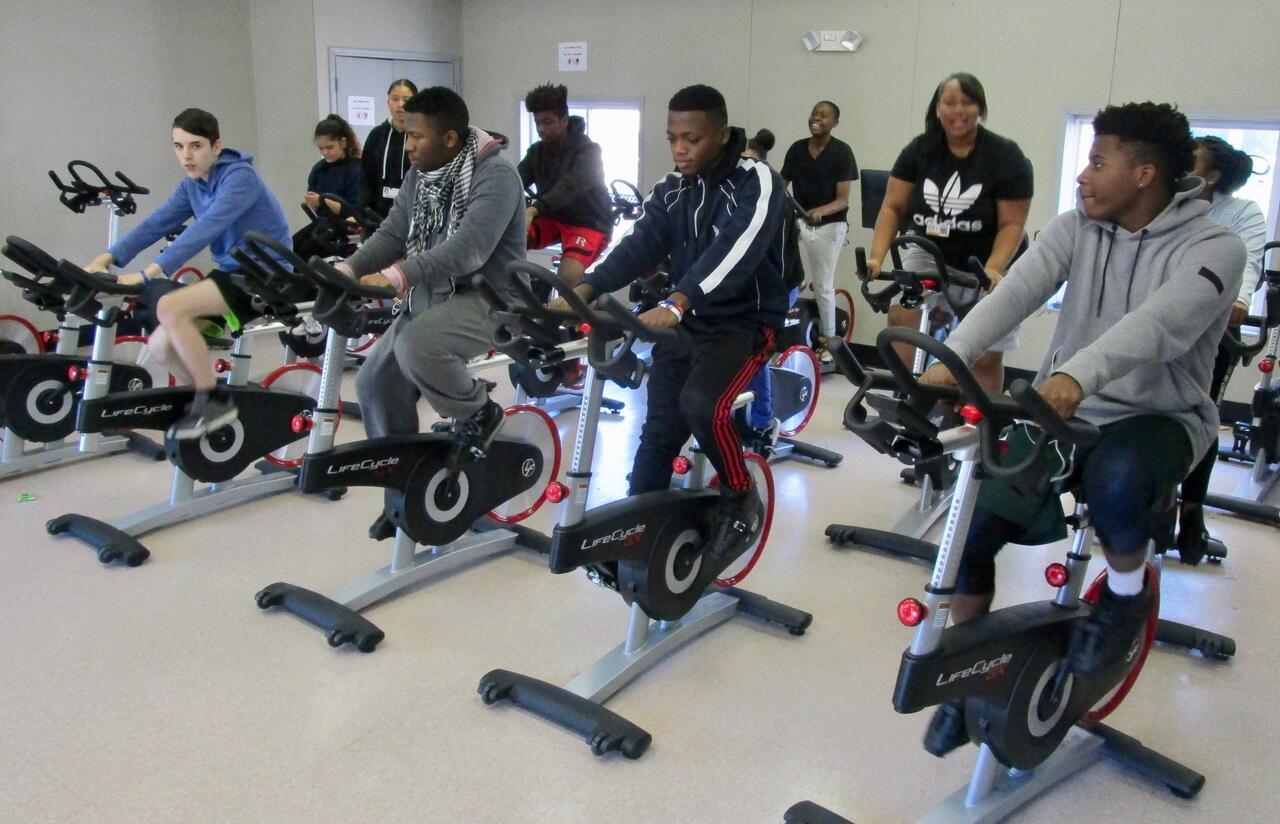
<point>203,418</point>
<point>739,518</point>
<point>947,729</point>
<point>382,528</point>
<point>1108,635</point>
<point>1193,538</point>
<point>471,436</point>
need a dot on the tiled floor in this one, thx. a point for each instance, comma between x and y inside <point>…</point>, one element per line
<point>163,694</point>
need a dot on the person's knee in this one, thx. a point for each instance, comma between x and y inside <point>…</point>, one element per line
<point>1122,499</point>
<point>901,316</point>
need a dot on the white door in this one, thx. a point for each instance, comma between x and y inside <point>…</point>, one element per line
<point>359,76</point>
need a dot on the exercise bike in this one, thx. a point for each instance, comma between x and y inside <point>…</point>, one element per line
<point>1033,728</point>
<point>1258,441</point>
<point>429,506</point>
<point>42,391</point>
<point>935,474</point>
<point>272,416</point>
<point>650,548</point>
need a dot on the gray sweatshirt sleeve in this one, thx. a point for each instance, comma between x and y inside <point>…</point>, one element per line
<point>387,244</point>
<point>1169,322</point>
<point>1030,282</point>
<point>496,196</point>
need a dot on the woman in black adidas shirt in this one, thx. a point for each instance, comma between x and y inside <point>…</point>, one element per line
<point>965,188</point>
<point>384,162</point>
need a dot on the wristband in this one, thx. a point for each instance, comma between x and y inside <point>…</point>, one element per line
<point>670,306</point>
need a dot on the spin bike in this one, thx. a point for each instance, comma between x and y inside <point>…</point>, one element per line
<point>935,474</point>
<point>41,392</point>
<point>1003,664</point>
<point>1258,441</point>
<point>272,416</point>
<point>650,548</point>
<point>430,507</point>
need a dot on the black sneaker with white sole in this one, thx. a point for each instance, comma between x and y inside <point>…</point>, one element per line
<point>1107,636</point>
<point>739,517</point>
<point>203,418</point>
<point>472,436</point>
<point>947,729</point>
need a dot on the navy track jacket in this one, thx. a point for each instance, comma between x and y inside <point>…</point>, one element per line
<point>723,232</point>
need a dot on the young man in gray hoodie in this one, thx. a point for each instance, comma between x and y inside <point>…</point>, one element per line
<point>460,212</point>
<point>1151,282</point>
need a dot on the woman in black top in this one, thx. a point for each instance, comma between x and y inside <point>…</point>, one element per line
<point>820,170</point>
<point>385,163</point>
<point>336,173</point>
<point>965,188</point>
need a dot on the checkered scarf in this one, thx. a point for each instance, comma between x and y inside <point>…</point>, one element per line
<point>445,189</point>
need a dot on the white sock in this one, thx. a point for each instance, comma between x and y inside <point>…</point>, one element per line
<point>1126,583</point>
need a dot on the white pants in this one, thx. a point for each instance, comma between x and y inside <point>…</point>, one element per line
<point>819,252</point>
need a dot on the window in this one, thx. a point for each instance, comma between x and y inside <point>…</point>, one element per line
<point>1260,139</point>
<point>615,126</point>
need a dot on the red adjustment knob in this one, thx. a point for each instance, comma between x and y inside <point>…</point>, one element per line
<point>681,465</point>
<point>585,328</point>
<point>929,283</point>
<point>300,424</point>
<point>971,414</point>
<point>911,612</point>
<point>221,365</point>
<point>1266,365</point>
<point>1057,575</point>
<point>50,338</point>
<point>77,373</point>
<point>556,492</point>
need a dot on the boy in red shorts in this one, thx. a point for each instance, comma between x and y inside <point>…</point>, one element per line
<point>571,206</point>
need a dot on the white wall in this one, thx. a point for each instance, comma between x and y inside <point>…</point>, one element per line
<point>1039,60</point>
<point>102,81</point>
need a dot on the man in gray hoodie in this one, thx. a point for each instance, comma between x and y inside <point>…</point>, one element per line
<point>459,213</point>
<point>1151,282</point>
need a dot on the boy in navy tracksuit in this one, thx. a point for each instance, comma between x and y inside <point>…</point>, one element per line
<point>719,217</point>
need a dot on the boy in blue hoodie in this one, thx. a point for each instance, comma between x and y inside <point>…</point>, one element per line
<point>719,217</point>
<point>1151,282</point>
<point>227,198</point>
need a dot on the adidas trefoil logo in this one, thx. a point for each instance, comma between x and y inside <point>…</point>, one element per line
<point>948,203</point>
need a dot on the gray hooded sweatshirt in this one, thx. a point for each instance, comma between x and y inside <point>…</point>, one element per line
<point>1142,316</point>
<point>490,236</point>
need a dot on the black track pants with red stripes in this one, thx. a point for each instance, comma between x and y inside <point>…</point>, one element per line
<point>691,390</point>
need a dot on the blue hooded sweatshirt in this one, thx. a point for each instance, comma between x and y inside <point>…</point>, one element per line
<point>233,201</point>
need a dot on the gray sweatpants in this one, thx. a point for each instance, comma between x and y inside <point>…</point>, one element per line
<point>425,356</point>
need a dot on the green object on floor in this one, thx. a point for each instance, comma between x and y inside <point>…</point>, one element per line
<point>26,497</point>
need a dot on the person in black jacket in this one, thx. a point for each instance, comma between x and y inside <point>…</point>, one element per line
<point>572,206</point>
<point>719,216</point>
<point>385,163</point>
<point>336,173</point>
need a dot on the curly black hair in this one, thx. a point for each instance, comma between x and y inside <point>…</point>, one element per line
<point>701,98</point>
<point>1235,166</point>
<point>1155,133</point>
<point>548,98</point>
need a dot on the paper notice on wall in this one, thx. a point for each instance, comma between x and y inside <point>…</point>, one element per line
<point>573,57</point>
<point>360,111</point>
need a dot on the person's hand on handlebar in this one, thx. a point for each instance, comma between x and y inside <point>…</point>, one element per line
<point>873,269</point>
<point>584,292</point>
<point>130,279</point>
<point>1238,313</point>
<point>1063,394</point>
<point>312,199</point>
<point>101,264</point>
<point>995,275</point>
<point>937,375</point>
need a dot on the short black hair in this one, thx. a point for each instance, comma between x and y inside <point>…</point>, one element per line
<point>404,81</point>
<point>972,88</point>
<point>701,98</point>
<point>198,122</point>
<point>1234,165</point>
<point>834,108</point>
<point>548,98</point>
<point>443,105</point>
<point>762,143</point>
<point>1155,133</point>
